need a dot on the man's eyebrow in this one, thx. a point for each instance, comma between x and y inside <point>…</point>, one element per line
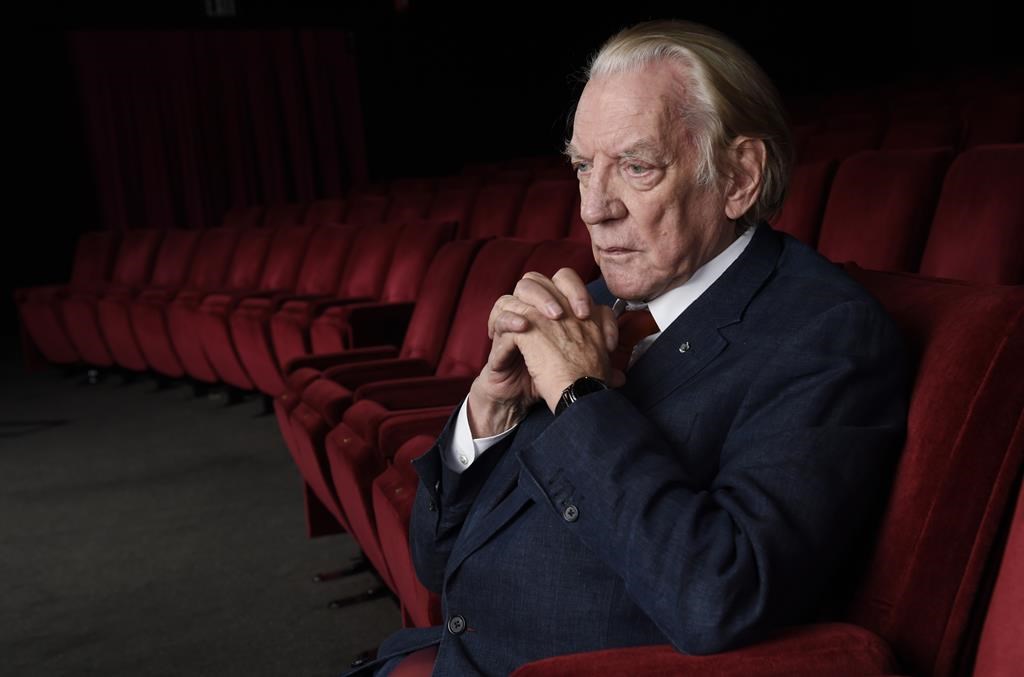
<point>644,148</point>
<point>570,151</point>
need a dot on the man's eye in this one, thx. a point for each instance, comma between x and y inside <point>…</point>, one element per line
<point>581,167</point>
<point>636,170</point>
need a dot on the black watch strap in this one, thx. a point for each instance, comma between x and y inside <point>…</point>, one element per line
<point>577,389</point>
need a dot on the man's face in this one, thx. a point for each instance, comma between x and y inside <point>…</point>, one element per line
<point>650,225</point>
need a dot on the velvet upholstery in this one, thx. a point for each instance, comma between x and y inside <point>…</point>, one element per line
<point>806,196</point>
<point>977,233</point>
<point>280,274</point>
<point>244,270</point>
<point>39,308</point>
<point>173,261</point>
<point>880,206</point>
<point>132,269</point>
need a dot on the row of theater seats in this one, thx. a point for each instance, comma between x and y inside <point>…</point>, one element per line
<point>923,210</point>
<point>957,115</point>
<point>234,304</point>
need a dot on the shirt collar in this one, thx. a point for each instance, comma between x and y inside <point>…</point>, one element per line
<point>670,305</point>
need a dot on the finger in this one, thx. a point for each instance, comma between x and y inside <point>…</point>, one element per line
<point>504,353</point>
<point>507,305</point>
<point>568,282</point>
<point>541,293</point>
<point>510,322</point>
<point>605,318</point>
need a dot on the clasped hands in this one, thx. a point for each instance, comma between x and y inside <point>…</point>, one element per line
<point>545,336</point>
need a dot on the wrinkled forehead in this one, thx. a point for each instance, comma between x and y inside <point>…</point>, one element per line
<point>620,110</point>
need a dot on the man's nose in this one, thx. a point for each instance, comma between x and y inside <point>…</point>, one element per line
<point>599,200</point>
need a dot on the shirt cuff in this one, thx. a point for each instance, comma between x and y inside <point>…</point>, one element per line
<point>464,449</point>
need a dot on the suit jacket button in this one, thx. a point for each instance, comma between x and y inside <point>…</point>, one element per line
<point>456,624</point>
<point>431,506</point>
<point>571,513</point>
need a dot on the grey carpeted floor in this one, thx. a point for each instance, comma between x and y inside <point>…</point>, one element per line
<point>148,532</point>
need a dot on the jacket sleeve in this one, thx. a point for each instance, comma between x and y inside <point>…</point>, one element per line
<point>805,458</point>
<point>443,500</point>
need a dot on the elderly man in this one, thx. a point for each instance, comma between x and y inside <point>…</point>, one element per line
<point>703,490</point>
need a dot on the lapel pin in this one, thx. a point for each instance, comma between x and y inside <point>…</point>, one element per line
<point>685,347</point>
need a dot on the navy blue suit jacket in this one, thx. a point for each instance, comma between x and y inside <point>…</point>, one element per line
<point>707,501</point>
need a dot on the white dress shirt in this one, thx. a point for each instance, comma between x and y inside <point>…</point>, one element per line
<point>665,309</point>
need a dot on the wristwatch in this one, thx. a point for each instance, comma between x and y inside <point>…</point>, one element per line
<point>579,388</point>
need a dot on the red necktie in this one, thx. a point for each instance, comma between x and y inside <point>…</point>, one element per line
<point>634,326</point>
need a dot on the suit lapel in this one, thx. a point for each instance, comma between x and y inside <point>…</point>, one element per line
<point>694,339</point>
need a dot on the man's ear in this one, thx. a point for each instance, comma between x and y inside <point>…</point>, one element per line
<point>744,184</point>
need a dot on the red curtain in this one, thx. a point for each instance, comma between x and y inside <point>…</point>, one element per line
<point>183,125</point>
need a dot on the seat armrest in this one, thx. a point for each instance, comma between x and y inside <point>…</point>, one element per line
<point>354,375</point>
<point>402,427</point>
<point>806,651</point>
<point>416,393</point>
<point>325,361</point>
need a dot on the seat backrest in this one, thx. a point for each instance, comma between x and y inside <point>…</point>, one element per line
<point>417,245</point>
<point>211,261</point>
<point>366,208</point>
<point>437,301</point>
<point>407,206</point>
<point>325,258</point>
<point>94,256</point>
<point>977,233</point>
<point>545,212</point>
<point>366,268</point>
<point>453,201</point>
<point>548,257</point>
<point>279,216</point>
<point>838,144</point>
<point>955,476</point>
<point>243,217</point>
<point>879,208</point>
<point>806,196</point>
<point>577,227</point>
<point>1000,650</point>
<point>284,257</point>
<point>248,259</point>
<point>925,127</point>
<point>174,258</point>
<point>495,271</point>
<point>326,211</point>
<point>994,119</point>
<point>494,211</point>
<point>135,256</point>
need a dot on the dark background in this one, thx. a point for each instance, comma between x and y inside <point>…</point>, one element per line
<point>446,83</point>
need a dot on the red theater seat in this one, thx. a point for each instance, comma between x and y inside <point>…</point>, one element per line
<point>42,320</point>
<point>280,273</point>
<point>387,265</point>
<point>494,211</point>
<point>806,197</point>
<point>910,611</point>
<point>366,208</point>
<point>182,314</point>
<point>280,216</point>
<point>393,493</point>
<point>977,233</point>
<point>80,309</point>
<point>319,271</point>
<point>880,206</point>
<point>303,426</point>
<point>114,308</point>
<point>546,210</point>
<point>149,311</point>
